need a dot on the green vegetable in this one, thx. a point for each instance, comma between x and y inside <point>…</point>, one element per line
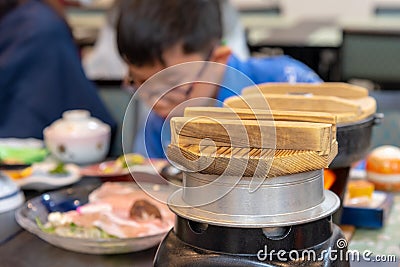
<point>13,155</point>
<point>73,230</point>
<point>48,230</point>
<point>59,169</point>
<point>73,227</point>
<point>129,160</point>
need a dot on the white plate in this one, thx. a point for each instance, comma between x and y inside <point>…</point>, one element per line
<point>41,179</point>
<point>21,143</point>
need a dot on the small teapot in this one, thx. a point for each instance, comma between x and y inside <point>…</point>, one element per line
<point>78,138</point>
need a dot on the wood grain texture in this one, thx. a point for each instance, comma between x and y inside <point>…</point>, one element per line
<point>248,162</point>
<point>253,134</point>
<point>258,114</point>
<point>342,90</point>
<point>346,110</point>
<point>261,115</point>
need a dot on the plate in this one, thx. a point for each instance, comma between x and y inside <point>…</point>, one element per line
<point>152,167</point>
<point>35,208</point>
<point>41,179</point>
<point>99,170</point>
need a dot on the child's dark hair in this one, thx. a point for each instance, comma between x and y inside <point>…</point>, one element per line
<point>6,6</point>
<point>146,28</point>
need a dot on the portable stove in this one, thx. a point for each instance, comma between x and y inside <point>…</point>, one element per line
<point>285,222</point>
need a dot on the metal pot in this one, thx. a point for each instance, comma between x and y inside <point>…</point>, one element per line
<point>226,203</point>
<point>354,140</point>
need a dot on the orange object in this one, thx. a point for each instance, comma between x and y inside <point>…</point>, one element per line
<point>384,160</point>
<point>360,188</point>
<point>19,174</point>
<point>329,178</point>
<point>383,168</point>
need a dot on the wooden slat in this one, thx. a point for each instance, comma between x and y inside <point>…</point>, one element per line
<point>270,163</point>
<point>342,90</point>
<point>258,114</point>
<point>329,104</point>
<point>345,110</point>
<point>253,134</point>
<point>368,107</point>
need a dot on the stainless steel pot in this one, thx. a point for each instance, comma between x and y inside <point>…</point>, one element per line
<point>279,201</point>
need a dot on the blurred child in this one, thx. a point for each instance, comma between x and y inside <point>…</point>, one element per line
<point>153,35</point>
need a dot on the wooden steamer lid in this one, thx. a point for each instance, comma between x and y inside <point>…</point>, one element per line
<point>302,120</point>
<point>349,103</point>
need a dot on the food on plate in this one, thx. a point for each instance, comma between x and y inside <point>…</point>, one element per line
<point>383,168</point>
<point>21,155</point>
<point>59,169</point>
<point>53,169</point>
<point>359,193</point>
<point>360,188</point>
<point>129,160</point>
<point>143,210</point>
<point>19,174</point>
<point>113,211</point>
<point>121,164</point>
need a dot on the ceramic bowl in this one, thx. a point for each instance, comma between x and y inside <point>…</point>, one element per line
<point>11,197</point>
<point>78,138</point>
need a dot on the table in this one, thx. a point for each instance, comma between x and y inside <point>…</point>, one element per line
<point>384,241</point>
<point>25,249</point>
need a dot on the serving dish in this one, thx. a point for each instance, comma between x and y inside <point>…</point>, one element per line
<point>108,171</point>
<point>41,179</point>
<point>78,138</point>
<point>100,170</point>
<point>36,208</point>
<point>11,197</point>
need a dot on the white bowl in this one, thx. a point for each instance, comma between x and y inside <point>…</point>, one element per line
<point>78,138</point>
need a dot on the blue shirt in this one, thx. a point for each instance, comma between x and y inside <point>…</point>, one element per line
<point>40,72</point>
<point>155,135</point>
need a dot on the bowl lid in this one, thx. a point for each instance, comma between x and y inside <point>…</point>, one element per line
<point>77,123</point>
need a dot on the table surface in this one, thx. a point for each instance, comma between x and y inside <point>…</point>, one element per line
<point>23,248</point>
<point>384,241</point>
<point>27,248</point>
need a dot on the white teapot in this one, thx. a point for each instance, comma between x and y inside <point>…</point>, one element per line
<point>78,138</point>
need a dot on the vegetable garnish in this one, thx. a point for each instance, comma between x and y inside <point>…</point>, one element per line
<point>59,169</point>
